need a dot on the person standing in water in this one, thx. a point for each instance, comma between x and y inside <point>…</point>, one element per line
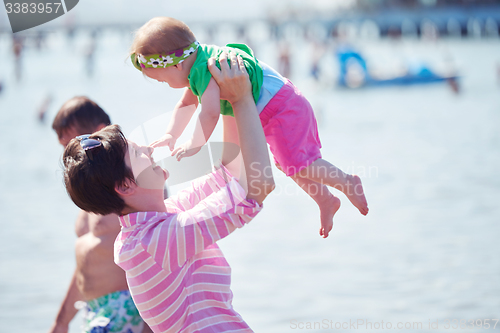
<point>97,280</point>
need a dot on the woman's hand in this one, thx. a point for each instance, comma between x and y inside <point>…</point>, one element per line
<point>233,81</point>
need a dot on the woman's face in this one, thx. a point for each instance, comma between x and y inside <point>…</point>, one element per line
<point>147,174</point>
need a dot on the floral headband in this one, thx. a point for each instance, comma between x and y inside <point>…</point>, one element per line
<point>163,60</point>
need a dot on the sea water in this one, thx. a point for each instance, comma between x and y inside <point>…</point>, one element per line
<point>428,158</point>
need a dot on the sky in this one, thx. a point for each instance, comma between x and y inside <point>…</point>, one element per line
<point>135,12</point>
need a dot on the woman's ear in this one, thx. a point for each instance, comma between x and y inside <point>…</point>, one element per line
<point>126,188</point>
<point>179,66</point>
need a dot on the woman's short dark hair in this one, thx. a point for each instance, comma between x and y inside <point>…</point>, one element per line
<point>91,182</point>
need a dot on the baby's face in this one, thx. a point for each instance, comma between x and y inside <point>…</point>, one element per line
<point>173,75</point>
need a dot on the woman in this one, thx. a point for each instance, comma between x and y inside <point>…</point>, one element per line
<point>176,273</point>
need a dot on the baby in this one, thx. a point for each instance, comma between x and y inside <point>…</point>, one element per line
<point>166,50</point>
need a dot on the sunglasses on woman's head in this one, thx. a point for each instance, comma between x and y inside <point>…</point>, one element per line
<point>88,144</point>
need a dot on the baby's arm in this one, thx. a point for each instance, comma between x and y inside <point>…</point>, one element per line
<point>207,120</point>
<point>181,116</point>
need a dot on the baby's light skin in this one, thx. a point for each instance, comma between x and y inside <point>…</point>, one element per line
<point>311,179</point>
<point>177,77</point>
<point>258,182</point>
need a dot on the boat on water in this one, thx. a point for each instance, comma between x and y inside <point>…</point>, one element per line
<point>354,73</point>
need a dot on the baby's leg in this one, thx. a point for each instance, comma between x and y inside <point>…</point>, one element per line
<point>324,172</point>
<point>327,202</point>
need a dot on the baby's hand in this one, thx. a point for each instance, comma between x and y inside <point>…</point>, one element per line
<point>185,150</point>
<point>166,140</point>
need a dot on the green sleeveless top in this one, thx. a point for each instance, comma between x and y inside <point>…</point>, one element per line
<point>200,76</point>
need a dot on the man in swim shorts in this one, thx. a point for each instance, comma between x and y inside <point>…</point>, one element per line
<point>97,280</point>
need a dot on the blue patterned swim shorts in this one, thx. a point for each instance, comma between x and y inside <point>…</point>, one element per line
<point>113,313</point>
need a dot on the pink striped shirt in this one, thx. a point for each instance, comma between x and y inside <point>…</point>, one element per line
<point>177,275</point>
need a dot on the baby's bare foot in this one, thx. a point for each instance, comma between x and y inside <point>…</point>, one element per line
<point>327,210</point>
<point>356,195</point>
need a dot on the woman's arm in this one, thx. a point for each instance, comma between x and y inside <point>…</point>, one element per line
<point>181,116</point>
<point>219,206</point>
<point>198,190</point>
<point>197,223</point>
<point>231,154</point>
<point>235,87</point>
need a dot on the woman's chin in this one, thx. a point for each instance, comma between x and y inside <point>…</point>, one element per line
<point>165,174</point>
<point>152,178</point>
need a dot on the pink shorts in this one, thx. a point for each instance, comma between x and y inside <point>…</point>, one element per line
<point>291,130</point>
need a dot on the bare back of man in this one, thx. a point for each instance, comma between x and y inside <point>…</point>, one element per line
<point>96,278</point>
<point>96,274</point>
